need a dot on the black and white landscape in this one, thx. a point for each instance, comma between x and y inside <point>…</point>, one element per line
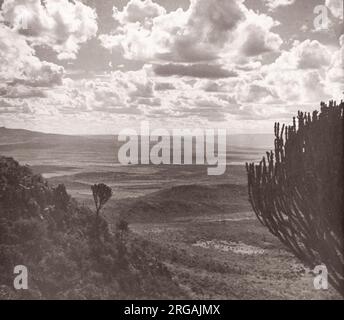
<point>82,225</point>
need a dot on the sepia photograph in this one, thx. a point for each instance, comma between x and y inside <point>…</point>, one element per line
<point>186,151</point>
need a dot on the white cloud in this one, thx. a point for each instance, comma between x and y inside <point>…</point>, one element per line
<point>274,4</point>
<point>138,11</point>
<point>18,63</point>
<point>336,7</point>
<point>299,75</point>
<point>335,74</point>
<point>61,24</point>
<point>204,64</point>
<point>305,55</point>
<point>208,31</point>
<point>254,35</point>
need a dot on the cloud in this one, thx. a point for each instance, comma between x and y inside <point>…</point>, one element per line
<point>258,39</point>
<point>204,33</point>
<point>193,70</point>
<point>274,4</point>
<point>163,86</point>
<point>212,87</point>
<point>336,7</point>
<point>309,54</point>
<point>20,91</point>
<point>335,73</point>
<point>138,11</point>
<point>117,93</point>
<point>208,27</point>
<point>7,107</point>
<point>18,63</point>
<point>255,92</point>
<point>299,75</point>
<point>153,102</point>
<point>60,24</point>
<point>210,62</point>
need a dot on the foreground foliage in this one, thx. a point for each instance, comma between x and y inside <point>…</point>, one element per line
<point>297,191</point>
<point>44,229</point>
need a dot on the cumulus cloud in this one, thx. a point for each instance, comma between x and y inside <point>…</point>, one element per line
<point>207,63</point>
<point>336,7</point>
<point>118,93</point>
<point>206,32</point>
<point>305,55</point>
<point>60,24</point>
<point>18,63</point>
<point>256,35</point>
<point>299,75</point>
<point>254,92</point>
<point>138,11</point>
<point>335,73</point>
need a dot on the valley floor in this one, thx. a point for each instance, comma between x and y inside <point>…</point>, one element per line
<point>228,257</point>
<point>203,230</point>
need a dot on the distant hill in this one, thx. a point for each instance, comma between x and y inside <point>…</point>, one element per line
<point>10,136</point>
<point>20,135</point>
<point>19,139</point>
<point>186,200</point>
<point>36,148</point>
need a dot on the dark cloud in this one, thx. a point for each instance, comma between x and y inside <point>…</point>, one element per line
<point>196,70</point>
<point>259,41</point>
<point>14,108</point>
<point>23,92</point>
<point>163,86</point>
<point>154,102</point>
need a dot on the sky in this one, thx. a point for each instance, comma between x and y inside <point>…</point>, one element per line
<point>97,67</point>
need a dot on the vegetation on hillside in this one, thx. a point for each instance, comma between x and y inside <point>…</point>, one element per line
<point>44,229</point>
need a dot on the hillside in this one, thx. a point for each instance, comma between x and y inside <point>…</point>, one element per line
<point>44,229</point>
<point>184,201</point>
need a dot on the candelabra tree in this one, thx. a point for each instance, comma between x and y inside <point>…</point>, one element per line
<point>297,190</point>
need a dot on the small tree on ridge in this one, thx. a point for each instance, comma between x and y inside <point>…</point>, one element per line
<point>101,195</point>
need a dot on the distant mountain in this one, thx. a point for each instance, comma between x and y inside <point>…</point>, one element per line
<point>71,150</point>
<point>13,139</point>
<point>10,136</point>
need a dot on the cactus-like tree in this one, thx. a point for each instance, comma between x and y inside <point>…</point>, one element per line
<point>297,190</point>
<point>101,195</point>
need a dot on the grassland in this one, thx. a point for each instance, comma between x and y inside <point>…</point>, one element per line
<point>202,228</point>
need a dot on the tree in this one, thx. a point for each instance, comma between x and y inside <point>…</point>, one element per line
<point>122,227</point>
<point>101,195</point>
<point>297,191</point>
